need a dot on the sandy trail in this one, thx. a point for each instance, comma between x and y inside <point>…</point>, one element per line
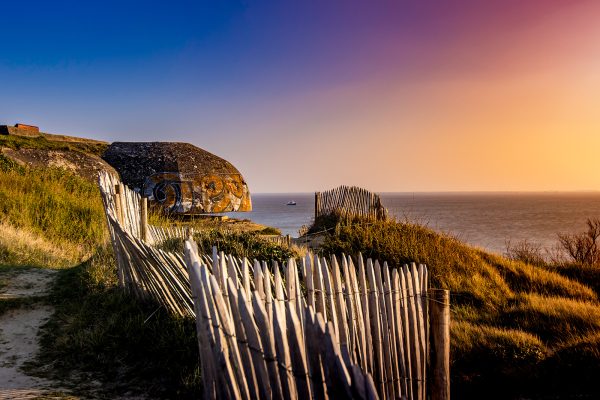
<point>18,333</point>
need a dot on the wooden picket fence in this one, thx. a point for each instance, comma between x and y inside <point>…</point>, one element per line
<point>349,201</point>
<point>317,328</point>
<point>269,327</point>
<point>131,211</point>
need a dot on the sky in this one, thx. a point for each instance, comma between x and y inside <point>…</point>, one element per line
<point>462,95</point>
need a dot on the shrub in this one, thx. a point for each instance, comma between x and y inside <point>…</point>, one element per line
<point>243,244</point>
<point>583,247</point>
<point>269,230</point>
<point>526,251</point>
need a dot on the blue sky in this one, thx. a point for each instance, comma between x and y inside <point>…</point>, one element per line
<point>301,95</point>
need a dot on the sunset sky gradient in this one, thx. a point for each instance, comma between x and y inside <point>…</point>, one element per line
<point>302,96</point>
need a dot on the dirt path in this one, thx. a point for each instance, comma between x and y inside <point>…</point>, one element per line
<point>19,330</point>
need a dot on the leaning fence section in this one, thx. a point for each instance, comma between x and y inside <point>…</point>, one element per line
<point>144,270</point>
<point>321,328</point>
<point>349,201</point>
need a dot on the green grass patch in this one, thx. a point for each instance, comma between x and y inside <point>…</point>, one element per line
<point>42,143</point>
<point>99,332</point>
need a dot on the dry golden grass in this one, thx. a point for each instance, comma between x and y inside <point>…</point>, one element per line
<point>554,319</point>
<point>523,277</point>
<point>474,340</point>
<point>511,321</point>
<point>25,248</point>
<point>47,216</point>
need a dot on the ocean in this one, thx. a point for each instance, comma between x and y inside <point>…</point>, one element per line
<point>487,220</point>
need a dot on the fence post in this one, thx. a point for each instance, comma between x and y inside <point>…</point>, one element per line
<point>439,317</point>
<point>288,240</point>
<point>118,210</point>
<point>144,218</point>
<point>317,204</point>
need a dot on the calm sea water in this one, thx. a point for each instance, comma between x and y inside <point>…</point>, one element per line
<point>487,220</point>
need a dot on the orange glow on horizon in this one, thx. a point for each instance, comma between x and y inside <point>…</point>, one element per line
<point>523,117</point>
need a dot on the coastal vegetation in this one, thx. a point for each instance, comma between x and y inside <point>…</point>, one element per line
<point>48,216</point>
<point>521,324</point>
<point>241,244</point>
<point>53,142</point>
<point>104,342</point>
<point>523,328</point>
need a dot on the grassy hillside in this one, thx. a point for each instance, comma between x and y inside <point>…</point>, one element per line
<point>51,143</point>
<point>517,328</point>
<point>48,217</point>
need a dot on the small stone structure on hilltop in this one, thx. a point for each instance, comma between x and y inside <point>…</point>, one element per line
<point>180,177</point>
<point>20,130</point>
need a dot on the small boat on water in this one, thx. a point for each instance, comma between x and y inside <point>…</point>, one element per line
<point>291,203</point>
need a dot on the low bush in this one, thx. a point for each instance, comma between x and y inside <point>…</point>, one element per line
<point>244,244</point>
<point>527,252</point>
<point>269,230</point>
